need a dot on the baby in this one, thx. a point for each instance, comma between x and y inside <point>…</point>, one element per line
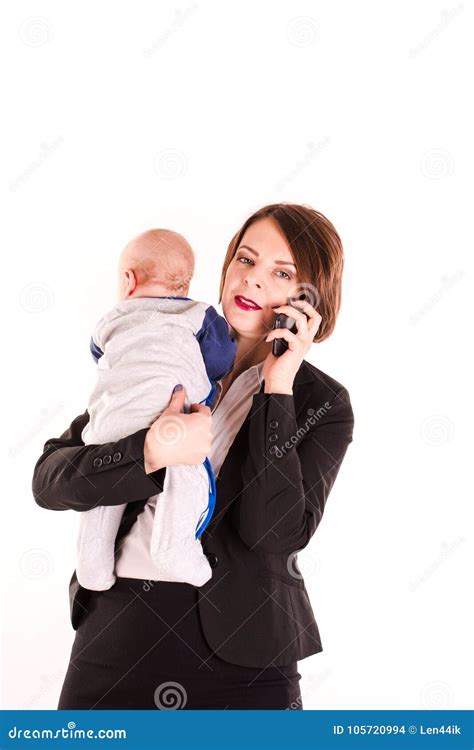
<point>154,337</point>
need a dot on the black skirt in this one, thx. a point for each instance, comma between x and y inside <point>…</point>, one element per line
<point>145,649</point>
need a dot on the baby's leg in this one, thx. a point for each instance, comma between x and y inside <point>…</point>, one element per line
<point>175,551</point>
<point>96,546</point>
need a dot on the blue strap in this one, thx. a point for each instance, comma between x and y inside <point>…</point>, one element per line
<point>208,400</point>
<point>212,501</point>
<point>201,524</point>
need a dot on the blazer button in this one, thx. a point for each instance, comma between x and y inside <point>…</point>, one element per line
<point>117,457</point>
<point>97,462</point>
<point>273,424</point>
<point>273,437</point>
<point>212,559</point>
<point>107,458</point>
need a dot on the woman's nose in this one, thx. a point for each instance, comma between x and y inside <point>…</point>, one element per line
<point>250,279</point>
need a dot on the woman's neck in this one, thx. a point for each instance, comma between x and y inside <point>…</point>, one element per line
<point>249,352</point>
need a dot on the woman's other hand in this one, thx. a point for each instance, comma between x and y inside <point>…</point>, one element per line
<point>178,438</point>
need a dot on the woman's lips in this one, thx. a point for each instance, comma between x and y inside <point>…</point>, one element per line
<point>246,304</point>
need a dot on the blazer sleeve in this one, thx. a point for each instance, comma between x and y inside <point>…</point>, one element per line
<point>69,475</point>
<point>287,479</point>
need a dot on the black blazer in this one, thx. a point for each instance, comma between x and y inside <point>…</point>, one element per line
<point>271,493</point>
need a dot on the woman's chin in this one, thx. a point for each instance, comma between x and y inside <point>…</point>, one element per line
<point>244,324</point>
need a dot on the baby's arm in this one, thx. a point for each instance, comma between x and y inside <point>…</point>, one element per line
<point>96,351</point>
<point>218,348</point>
<point>95,345</point>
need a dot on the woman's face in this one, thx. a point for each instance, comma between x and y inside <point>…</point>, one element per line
<point>262,271</point>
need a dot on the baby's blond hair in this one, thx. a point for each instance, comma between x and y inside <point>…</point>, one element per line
<point>161,257</point>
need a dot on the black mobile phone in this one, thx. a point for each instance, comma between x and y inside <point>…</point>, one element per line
<point>280,345</point>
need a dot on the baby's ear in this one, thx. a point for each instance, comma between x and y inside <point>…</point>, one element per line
<point>129,283</point>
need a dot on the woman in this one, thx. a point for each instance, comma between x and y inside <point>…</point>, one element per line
<point>280,429</point>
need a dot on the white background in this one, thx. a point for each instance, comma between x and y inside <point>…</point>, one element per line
<point>121,117</point>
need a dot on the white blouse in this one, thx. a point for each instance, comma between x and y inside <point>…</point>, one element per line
<point>133,558</point>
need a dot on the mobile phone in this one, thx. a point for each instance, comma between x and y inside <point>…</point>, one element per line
<point>280,345</point>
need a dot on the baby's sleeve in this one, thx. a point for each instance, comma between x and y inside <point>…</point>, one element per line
<point>218,347</point>
<point>95,342</point>
<point>96,351</point>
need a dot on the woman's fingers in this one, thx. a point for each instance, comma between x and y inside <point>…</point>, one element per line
<point>304,325</point>
<point>178,438</point>
<point>200,408</point>
<point>284,333</point>
<point>314,316</point>
<point>177,400</point>
<point>297,315</point>
<point>177,403</point>
<point>196,428</point>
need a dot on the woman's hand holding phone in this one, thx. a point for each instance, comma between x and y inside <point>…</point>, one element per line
<point>292,335</point>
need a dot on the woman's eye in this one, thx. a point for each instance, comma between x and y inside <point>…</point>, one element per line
<point>285,277</point>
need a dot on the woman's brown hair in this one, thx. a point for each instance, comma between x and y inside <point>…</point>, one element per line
<point>317,251</point>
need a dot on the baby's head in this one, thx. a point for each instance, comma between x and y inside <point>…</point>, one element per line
<point>157,263</point>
